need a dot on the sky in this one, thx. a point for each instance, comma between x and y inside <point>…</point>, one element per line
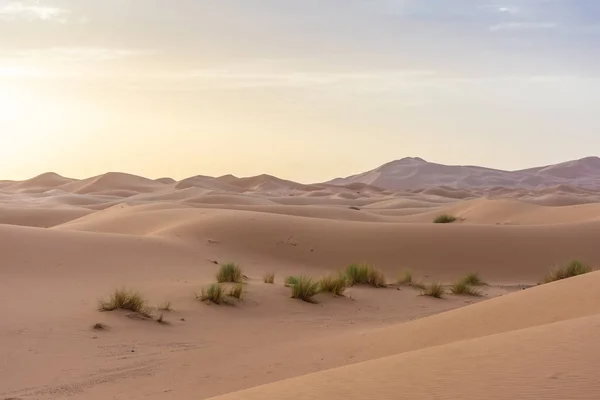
<point>307,90</point>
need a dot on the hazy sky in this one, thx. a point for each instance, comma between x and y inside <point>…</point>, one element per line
<point>303,89</point>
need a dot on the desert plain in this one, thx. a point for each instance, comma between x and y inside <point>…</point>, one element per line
<point>67,244</point>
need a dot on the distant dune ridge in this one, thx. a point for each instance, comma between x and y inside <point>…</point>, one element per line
<point>413,173</point>
<point>66,244</point>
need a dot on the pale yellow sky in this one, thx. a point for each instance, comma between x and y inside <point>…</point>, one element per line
<point>305,90</point>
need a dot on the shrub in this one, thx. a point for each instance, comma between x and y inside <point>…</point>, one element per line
<point>291,281</point>
<point>365,274</point>
<point>434,290</point>
<point>125,300</point>
<point>444,219</point>
<point>463,288</point>
<point>305,289</point>
<point>269,277</point>
<point>572,268</point>
<point>212,293</point>
<point>473,279</point>
<point>161,319</point>
<point>229,272</point>
<point>236,291</point>
<point>408,280</point>
<point>334,284</point>
<point>166,306</point>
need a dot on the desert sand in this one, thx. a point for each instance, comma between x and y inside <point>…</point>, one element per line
<point>68,243</point>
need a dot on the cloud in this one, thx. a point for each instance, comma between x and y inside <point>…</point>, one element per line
<point>31,11</point>
<point>521,26</point>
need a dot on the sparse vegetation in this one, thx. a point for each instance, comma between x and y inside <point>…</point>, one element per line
<point>125,300</point>
<point>166,306</point>
<point>161,319</point>
<point>473,279</point>
<point>291,280</point>
<point>229,272</point>
<point>269,277</point>
<point>212,293</point>
<point>365,274</point>
<point>99,326</point>
<point>572,268</point>
<point>444,219</point>
<point>407,279</point>
<point>305,289</point>
<point>334,284</point>
<point>236,291</point>
<point>461,287</point>
<point>434,290</point>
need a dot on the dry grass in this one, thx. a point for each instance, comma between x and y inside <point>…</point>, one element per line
<point>305,289</point>
<point>166,306</point>
<point>407,279</point>
<point>473,279</point>
<point>365,274</point>
<point>269,277</point>
<point>236,291</point>
<point>434,290</point>
<point>123,299</point>
<point>291,280</point>
<point>334,284</point>
<point>99,326</point>
<point>463,288</point>
<point>161,319</point>
<point>213,293</point>
<point>444,219</point>
<point>572,268</point>
<point>229,272</point>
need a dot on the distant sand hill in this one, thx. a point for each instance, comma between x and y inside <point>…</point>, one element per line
<point>67,243</point>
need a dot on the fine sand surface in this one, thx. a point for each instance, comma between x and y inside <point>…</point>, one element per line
<point>66,243</point>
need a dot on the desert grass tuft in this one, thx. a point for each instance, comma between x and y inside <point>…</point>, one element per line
<point>444,219</point>
<point>99,326</point>
<point>291,280</point>
<point>166,306</point>
<point>161,319</point>
<point>473,279</point>
<point>305,289</point>
<point>407,279</point>
<point>213,293</point>
<point>463,288</point>
<point>125,300</point>
<point>334,284</point>
<point>434,290</point>
<point>269,277</point>
<point>365,274</point>
<point>229,272</point>
<point>236,291</point>
<point>572,268</point>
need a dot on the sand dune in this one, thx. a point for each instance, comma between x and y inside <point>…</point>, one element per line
<point>66,243</point>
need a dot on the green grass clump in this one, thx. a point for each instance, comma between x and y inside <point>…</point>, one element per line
<point>291,280</point>
<point>463,288</point>
<point>229,272</point>
<point>213,293</point>
<point>269,277</point>
<point>572,268</point>
<point>434,290</point>
<point>236,291</point>
<point>305,289</point>
<point>125,300</point>
<point>473,279</point>
<point>444,219</point>
<point>366,275</point>
<point>407,279</point>
<point>334,284</point>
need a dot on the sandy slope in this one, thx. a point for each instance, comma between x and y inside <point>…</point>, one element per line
<point>66,243</point>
